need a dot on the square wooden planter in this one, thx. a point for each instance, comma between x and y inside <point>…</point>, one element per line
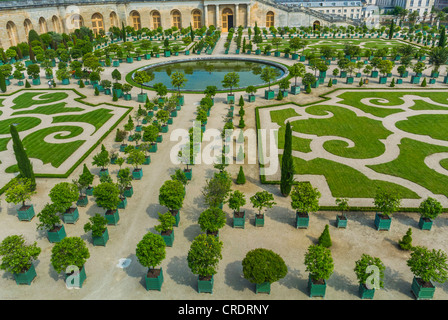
<point>137,174</point>
<point>341,221</point>
<point>316,289</point>
<point>176,215</point>
<point>101,241</point>
<point>205,285</point>
<point>77,280</point>
<point>123,203</point>
<point>239,219</point>
<point>25,277</point>
<point>259,220</point>
<point>425,223</point>
<point>302,220</point>
<point>264,287</point>
<point>230,98</point>
<point>26,213</point>
<point>269,94</point>
<point>382,222</point>
<point>188,173</point>
<point>420,292</point>
<point>82,201</point>
<point>56,234</point>
<point>128,192</point>
<point>365,293</point>
<point>71,215</point>
<point>154,279</point>
<point>168,237</point>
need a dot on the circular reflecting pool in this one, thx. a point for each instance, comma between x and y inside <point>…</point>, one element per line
<point>203,72</point>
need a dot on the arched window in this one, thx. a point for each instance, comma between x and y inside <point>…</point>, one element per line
<point>43,25</point>
<point>197,24</point>
<point>269,19</point>
<point>28,27</point>
<point>135,20</point>
<point>97,23</point>
<point>177,20</point>
<point>12,33</point>
<point>113,19</point>
<point>76,21</point>
<point>156,21</point>
<point>56,24</point>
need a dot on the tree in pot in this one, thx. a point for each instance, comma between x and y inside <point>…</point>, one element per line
<point>263,267</point>
<point>203,259</point>
<point>211,220</point>
<point>236,201</point>
<point>17,258</point>
<point>179,175</point>
<point>167,221</point>
<point>386,204</point>
<point>69,256</point>
<point>231,80</point>
<point>150,253</point>
<point>51,222</point>
<point>137,158</point>
<point>86,179</point>
<point>429,210</point>
<point>102,160</point>
<point>319,264</point>
<point>19,191</point>
<point>142,77</point>
<point>341,220</point>
<point>297,70</point>
<point>107,195</point>
<point>63,195</point>
<point>365,267</point>
<point>98,225</point>
<point>428,266</point>
<point>171,195</point>
<point>268,75</point>
<point>124,180</point>
<point>304,199</point>
<point>217,189</point>
<point>261,200</point>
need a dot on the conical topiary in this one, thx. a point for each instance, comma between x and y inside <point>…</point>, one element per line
<point>81,84</point>
<point>330,83</point>
<point>423,82</point>
<point>406,242</point>
<point>241,179</point>
<point>325,239</point>
<point>97,92</point>
<point>392,84</point>
<point>27,84</point>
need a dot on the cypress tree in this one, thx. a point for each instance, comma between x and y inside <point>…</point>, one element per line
<point>241,179</point>
<point>442,38</point>
<point>325,239</point>
<point>287,168</point>
<point>391,30</point>
<point>2,82</point>
<point>191,33</point>
<point>23,162</point>
<point>123,31</point>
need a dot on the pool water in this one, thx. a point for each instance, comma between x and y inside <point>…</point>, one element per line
<point>211,72</point>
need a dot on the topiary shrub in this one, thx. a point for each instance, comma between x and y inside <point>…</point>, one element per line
<point>263,265</point>
<point>325,239</point>
<point>406,242</point>
<point>27,84</point>
<point>423,82</point>
<point>241,178</point>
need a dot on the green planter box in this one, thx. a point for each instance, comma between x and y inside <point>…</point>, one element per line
<point>343,74</point>
<point>116,63</point>
<point>154,281</point>
<point>365,293</point>
<point>382,222</point>
<point>137,174</point>
<point>420,292</point>
<point>65,81</point>
<point>26,213</point>
<point>104,172</point>
<point>181,100</point>
<point>101,241</point>
<point>399,81</point>
<point>56,235</point>
<point>159,138</point>
<point>315,84</point>
<point>78,280</point>
<point>89,191</point>
<point>415,79</point>
<point>112,217</point>
<point>129,60</point>
<point>147,160</point>
<point>205,285</point>
<point>295,90</point>
<point>264,287</point>
<point>277,53</point>
<point>230,98</point>
<point>123,203</point>
<point>302,58</point>
<point>141,97</point>
<point>122,147</point>
<point>128,192</point>
<point>302,220</point>
<point>432,81</point>
<point>383,80</point>
<point>82,201</point>
<point>285,93</point>
<point>269,94</point>
<point>316,290</point>
<point>173,114</point>
<point>71,215</point>
<point>36,82</point>
<point>258,52</point>
<point>341,221</point>
<point>164,129</point>
<point>374,74</point>
<point>425,223</point>
<point>147,56</point>
<point>25,277</point>
<point>349,80</point>
<point>153,148</point>
<point>188,173</point>
<point>259,220</point>
<point>167,53</point>
<point>168,237</point>
<point>176,215</point>
<point>238,222</point>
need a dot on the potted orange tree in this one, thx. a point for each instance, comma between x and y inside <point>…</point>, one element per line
<point>63,195</point>
<point>261,200</point>
<point>203,259</point>
<point>107,196</point>
<point>429,210</point>
<point>165,227</point>
<point>98,225</point>
<point>150,253</point>
<point>363,269</point>
<point>386,204</point>
<point>17,258</point>
<point>19,191</point>
<point>319,264</point>
<point>236,201</point>
<point>171,195</point>
<point>304,199</point>
<point>211,220</point>
<point>50,221</point>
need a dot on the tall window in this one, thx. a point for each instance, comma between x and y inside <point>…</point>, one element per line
<point>43,25</point>
<point>28,27</point>
<point>156,22</point>
<point>177,19</point>
<point>113,19</point>
<point>56,24</point>
<point>135,18</point>
<point>97,23</point>
<point>12,33</point>
<point>197,19</point>
<point>269,19</point>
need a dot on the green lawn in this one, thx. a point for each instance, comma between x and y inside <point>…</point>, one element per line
<point>433,125</point>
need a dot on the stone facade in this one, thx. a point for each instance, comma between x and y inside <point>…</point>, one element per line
<point>18,17</point>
